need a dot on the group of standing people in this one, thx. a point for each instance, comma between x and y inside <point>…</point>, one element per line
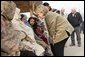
<point>22,37</point>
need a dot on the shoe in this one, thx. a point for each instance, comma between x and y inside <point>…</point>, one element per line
<point>79,45</point>
<point>72,45</point>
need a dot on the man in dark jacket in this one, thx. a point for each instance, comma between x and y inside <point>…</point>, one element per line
<point>75,19</point>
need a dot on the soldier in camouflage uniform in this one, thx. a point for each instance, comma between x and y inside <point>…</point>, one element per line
<point>9,37</point>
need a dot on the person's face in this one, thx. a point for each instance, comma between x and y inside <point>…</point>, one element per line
<point>32,22</point>
<point>73,10</point>
<point>23,20</point>
<point>41,15</point>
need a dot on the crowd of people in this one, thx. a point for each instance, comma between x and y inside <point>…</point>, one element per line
<point>43,34</point>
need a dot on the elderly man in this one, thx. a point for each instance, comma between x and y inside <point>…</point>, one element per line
<point>75,20</point>
<point>58,27</point>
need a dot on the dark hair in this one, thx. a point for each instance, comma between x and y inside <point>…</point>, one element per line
<point>50,8</point>
<point>58,11</point>
<point>46,4</point>
<point>22,15</point>
<point>35,24</point>
<point>54,10</point>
